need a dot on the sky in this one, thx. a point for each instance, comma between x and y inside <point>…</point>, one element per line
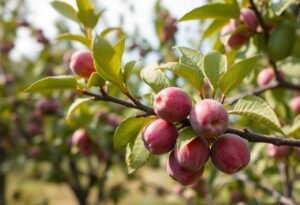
<point>43,16</point>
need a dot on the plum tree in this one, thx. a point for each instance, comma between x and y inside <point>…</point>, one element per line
<point>230,153</point>
<point>82,63</point>
<point>172,104</point>
<point>208,118</point>
<point>248,17</point>
<point>160,136</point>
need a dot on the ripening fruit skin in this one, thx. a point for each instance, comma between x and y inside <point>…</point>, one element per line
<point>237,40</point>
<point>278,152</point>
<point>47,106</point>
<point>192,155</point>
<point>82,64</point>
<point>265,76</point>
<point>295,104</point>
<point>80,137</point>
<point>248,17</point>
<point>160,136</point>
<point>172,104</point>
<point>180,174</point>
<point>281,41</point>
<point>209,118</point>
<point>230,153</point>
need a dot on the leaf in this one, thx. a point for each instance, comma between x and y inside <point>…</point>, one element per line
<point>214,65</point>
<point>214,27</point>
<point>53,83</point>
<point>127,70</point>
<point>191,75</point>
<point>282,5</point>
<point>106,31</point>
<point>258,110</point>
<point>236,73</point>
<point>65,9</point>
<point>117,58</point>
<point>76,104</point>
<point>185,136</point>
<point>189,66</point>
<point>214,10</point>
<point>86,13</point>
<point>95,80</point>
<point>128,130</point>
<point>105,55</point>
<point>155,78</point>
<point>294,130</point>
<point>190,57</point>
<point>74,37</point>
<point>136,154</point>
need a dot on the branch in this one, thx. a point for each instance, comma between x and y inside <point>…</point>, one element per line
<point>255,91</point>
<point>254,137</point>
<point>260,20</point>
<point>146,109</point>
<point>274,193</point>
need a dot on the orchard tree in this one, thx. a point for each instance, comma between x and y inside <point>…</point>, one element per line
<point>237,104</point>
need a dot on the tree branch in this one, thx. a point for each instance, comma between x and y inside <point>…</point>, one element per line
<point>272,192</point>
<point>146,109</point>
<point>254,137</point>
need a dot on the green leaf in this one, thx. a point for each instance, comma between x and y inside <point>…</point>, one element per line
<point>234,76</point>
<point>189,66</point>
<point>190,74</point>
<point>108,60</point>
<point>282,5</point>
<point>95,80</point>
<point>76,104</point>
<point>214,27</point>
<point>65,9</point>
<point>136,154</point>
<point>117,58</point>
<point>74,37</point>
<point>53,83</point>
<point>257,109</point>
<point>294,130</point>
<point>214,10</point>
<point>127,70</point>
<point>107,31</point>
<point>128,130</point>
<point>190,57</point>
<point>185,136</point>
<point>155,78</point>
<point>214,65</point>
<point>86,13</point>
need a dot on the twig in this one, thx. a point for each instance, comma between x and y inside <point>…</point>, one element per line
<point>254,137</point>
<point>272,192</point>
<point>260,20</point>
<point>285,175</point>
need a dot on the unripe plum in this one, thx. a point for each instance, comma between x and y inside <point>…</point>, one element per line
<point>209,118</point>
<point>193,154</point>
<point>180,174</point>
<point>295,104</point>
<point>230,153</point>
<point>160,136</point>
<point>172,104</point>
<point>278,152</point>
<point>265,76</point>
<point>248,17</point>
<point>82,63</point>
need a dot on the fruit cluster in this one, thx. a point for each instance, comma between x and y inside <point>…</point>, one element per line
<point>238,31</point>
<point>208,118</point>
